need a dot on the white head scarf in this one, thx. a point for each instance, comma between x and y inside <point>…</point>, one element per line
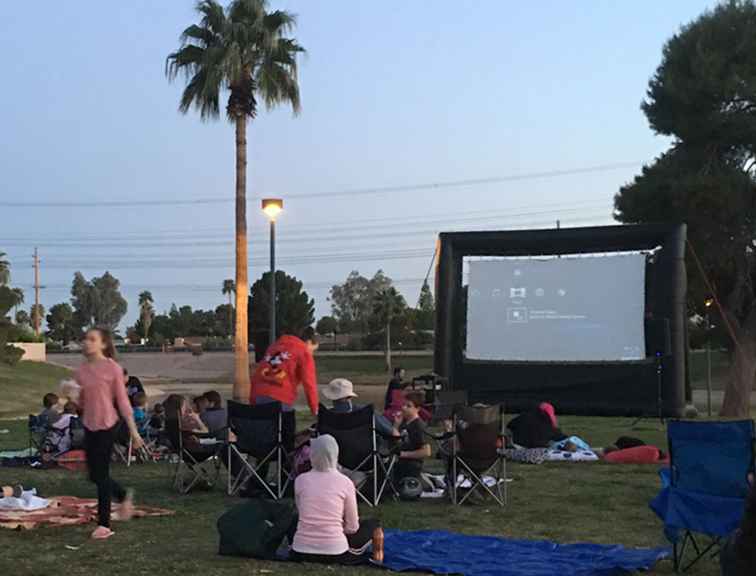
<point>324,453</point>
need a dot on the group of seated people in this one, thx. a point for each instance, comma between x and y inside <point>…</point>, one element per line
<point>58,427</point>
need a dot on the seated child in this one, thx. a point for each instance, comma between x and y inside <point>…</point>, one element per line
<point>157,418</point>
<point>61,436</point>
<point>51,412</point>
<point>414,446</point>
<point>139,406</point>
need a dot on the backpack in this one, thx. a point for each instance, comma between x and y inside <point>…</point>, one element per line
<point>256,528</point>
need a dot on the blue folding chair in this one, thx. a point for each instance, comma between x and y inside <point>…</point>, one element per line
<point>705,488</point>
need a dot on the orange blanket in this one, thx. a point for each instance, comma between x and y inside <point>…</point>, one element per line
<point>66,511</point>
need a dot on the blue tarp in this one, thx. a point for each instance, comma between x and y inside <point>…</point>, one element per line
<point>448,553</point>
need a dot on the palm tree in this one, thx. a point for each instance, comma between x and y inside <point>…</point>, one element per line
<point>387,305</point>
<point>229,289</point>
<point>146,311</point>
<point>241,49</point>
<point>4,270</point>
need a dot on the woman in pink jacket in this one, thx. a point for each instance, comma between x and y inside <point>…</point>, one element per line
<point>102,398</point>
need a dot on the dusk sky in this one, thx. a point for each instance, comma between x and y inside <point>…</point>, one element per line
<point>395,95</point>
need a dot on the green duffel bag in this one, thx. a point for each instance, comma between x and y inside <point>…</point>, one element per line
<point>256,528</point>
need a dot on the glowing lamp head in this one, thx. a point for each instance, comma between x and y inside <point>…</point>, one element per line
<point>272,207</point>
<point>709,302</point>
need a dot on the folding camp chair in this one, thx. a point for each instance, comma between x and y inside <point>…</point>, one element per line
<point>445,403</point>
<point>358,449</point>
<point>264,435</point>
<point>476,454</point>
<point>37,433</point>
<point>705,487</point>
<point>193,464</point>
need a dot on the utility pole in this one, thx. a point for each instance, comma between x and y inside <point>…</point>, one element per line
<point>36,320</point>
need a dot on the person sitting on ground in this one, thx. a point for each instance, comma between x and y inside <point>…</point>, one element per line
<point>536,428</point>
<point>340,392</point>
<point>396,383</point>
<point>51,412</point>
<point>133,384</point>
<point>329,529</point>
<point>414,447</point>
<point>139,404</point>
<point>287,364</point>
<point>215,415</point>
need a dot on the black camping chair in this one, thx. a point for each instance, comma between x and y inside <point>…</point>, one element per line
<point>198,460</point>
<point>446,403</point>
<point>357,438</point>
<point>477,442</point>
<point>37,432</point>
<point>264,435</point>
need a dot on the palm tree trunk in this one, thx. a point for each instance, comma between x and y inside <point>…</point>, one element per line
<point>241,337</point>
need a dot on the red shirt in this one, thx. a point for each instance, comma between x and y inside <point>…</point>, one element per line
<point>287,364</point>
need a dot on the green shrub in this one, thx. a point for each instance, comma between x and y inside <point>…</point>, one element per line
<point>10,355</point>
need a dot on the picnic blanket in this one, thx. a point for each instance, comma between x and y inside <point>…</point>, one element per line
<point>67,511</point>
<point>448,553</point>
<point>563,456</point>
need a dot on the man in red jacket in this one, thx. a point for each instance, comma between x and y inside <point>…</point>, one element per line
<point>287,364</point>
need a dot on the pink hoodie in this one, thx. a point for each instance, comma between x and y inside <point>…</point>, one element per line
<point>548,409</point>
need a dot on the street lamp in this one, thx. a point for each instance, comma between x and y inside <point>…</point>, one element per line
<point>272,207</point>
<point>708,302</point>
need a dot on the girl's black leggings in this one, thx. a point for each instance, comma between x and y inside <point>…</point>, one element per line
<point>98,445</point>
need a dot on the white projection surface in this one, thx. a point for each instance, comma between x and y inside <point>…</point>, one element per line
<point>569,309</point>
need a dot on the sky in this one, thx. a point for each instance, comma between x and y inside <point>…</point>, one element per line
<point>417,117</point>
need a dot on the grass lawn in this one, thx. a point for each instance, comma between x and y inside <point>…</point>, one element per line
<point>565,502</point>
<point>22,386</point>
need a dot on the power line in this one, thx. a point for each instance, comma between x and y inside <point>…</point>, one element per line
<point>309,231</point>
<point>464,183</point>
<point>297,236</point>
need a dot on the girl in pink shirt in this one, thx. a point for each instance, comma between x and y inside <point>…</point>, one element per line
<point>102,398</point>
<point>329,528</point>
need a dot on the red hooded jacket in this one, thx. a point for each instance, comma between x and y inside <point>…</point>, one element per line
<point>287,364</point>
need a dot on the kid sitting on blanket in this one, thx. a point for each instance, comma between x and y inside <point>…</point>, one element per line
<point>414,447</point>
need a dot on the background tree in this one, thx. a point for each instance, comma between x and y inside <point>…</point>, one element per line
<point>4,270</point>
<point>426,309</point>
<point>388,305</point>
<point>229,289</point>
<point>22,318</point>
<point>146,312</point>
<point>224,320</point>
<point>61,325</point>
<point>703,95</point>
<point>242,50</point>
<point>352,302</point>
<point>327,325</point>
<point>295,310</point>
<point>9,298</point>
<point>97,302</point>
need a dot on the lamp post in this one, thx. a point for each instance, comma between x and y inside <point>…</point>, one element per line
<point>272,207</point>
<point>707,303</point>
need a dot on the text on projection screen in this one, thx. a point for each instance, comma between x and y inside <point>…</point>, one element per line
<point>586,309</point>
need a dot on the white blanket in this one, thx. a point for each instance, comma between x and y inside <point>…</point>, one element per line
<point>28,502</point>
